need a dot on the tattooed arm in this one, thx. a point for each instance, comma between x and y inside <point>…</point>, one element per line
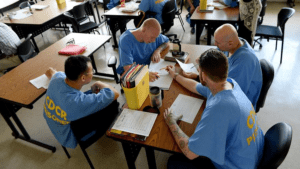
<point>180,137</point>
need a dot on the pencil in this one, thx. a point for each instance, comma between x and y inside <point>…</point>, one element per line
<point>163,68</point>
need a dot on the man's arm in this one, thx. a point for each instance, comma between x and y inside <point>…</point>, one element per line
<point>156,54</point>
<point>180,137</point>
<point>97,86</point>
<point>185,82</point>
<point>50,72</point>
<point>192,8</point>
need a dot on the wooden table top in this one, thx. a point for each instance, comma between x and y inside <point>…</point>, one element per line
<point>15,86</point>
<point>115,12</point>
<point>226,14</point>
<point>39,17</point>
<point>160,137</point>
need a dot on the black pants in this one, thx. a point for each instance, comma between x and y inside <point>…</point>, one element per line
<point>182,162</point>
<point>97,123</point>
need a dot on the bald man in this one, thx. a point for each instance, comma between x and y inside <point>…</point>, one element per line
<point>244,66</point>
<point>141,46</point>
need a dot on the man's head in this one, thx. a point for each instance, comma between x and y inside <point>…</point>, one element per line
<point>226,37</point>
<point>213,65</point>
<point>79,68</point>
<point>150,30</point>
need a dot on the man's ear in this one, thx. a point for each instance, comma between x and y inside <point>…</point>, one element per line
<point>82,77</point>
<point>230,43</point>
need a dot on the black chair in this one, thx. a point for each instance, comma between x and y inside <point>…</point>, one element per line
<point>1,12</point>
<point>276,32</point>
<point>168,15</point>
<point>178,14</point>
<point>277,144</point>
<point>260,20</point>
<point>268,76</point>
<point>77,15</point>
<point>25,51</point>
<point>25,4</point>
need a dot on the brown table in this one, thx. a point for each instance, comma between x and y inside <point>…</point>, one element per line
<point>160,137</point>
<point>16,91</point>
<point>115,17</point>
<point>227,15</point>
<point>42,20</point>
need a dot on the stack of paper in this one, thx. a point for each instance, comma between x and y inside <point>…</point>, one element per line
<point>186,106</point>
<point>165,80</point>
<point>187,67</point>
<point>136,122</point>
<point>41,81</point>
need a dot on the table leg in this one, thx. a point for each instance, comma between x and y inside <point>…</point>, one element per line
<point>150,157</point>
<point>209,31</point>
<point>16,134</point>
<point>98,73</point>
<point>131,152</point>
<point>112,26</point>
<point>198,33</point>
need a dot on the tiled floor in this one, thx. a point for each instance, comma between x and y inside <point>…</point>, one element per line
<point>282,104</point>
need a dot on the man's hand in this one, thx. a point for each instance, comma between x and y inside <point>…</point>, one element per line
<point>192,9</point>
<point>190,75</point>
<point>171,70</point>
<point>170,118</point>
<point>97,86</point>
<point>50,72</point>
<point>155,56</point>
<point>153,76</point>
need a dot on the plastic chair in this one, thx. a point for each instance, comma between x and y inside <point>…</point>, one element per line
<point>25,4</point>
<point>268,76</point>
<point>277,144</point>
<point>178,14</point>
<point>276,32</point>
<point>75,17</point>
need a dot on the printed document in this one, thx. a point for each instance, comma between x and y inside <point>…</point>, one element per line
<point>136,122</point>
<point>41,81</point>
<point>187,106</point>
<point>188,67</point>
<point>165,80</point>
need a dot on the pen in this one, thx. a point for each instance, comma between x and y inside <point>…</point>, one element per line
<point>194,66</point>
<point>163,68</point>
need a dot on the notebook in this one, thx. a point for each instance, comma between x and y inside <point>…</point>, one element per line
<point>72,50</point>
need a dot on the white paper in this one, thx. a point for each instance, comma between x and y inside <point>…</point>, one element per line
<point>136,122</point>
<point>40,7</point>
<point>217,5</point>
<point>20,14</point>
<point>186,106</point>
<point>165,80</point>
<point>187,67</point>
<point>41,81</point>
<point>129,7</point>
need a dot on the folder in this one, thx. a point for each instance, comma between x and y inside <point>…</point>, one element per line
<point>136,96</point>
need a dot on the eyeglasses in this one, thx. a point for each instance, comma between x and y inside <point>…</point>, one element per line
<point>70,42</point>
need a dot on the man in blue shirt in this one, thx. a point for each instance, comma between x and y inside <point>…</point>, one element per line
<point>228,133</point>
<point>142,45</point>
<point>244,66</point>
<point>65,103</point>
<point>154,6</point>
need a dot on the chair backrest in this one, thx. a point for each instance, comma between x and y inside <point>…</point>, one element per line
<point>284,14</point>
<point>79,11</point>
<point>277,144</point>
<point>268,76</point>
<point>168,15</point>
<point>26,50</point>
<point>25,4</point>
<point>262,12</point>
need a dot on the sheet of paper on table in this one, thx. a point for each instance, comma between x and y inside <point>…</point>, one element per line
<point>41,81</point>
<point>136,122</point>
<point>39,7</point>
<point>187,106</point>
<point>165,80</point>
<point>187,67</point>
<point>20,14</point>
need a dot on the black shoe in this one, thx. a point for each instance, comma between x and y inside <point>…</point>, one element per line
<point>193,30</point>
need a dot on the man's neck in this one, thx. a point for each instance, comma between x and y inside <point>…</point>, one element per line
<point>238,45</point>
<point>138,35</point>
<point>73,84</point>
<point>218,87</point>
